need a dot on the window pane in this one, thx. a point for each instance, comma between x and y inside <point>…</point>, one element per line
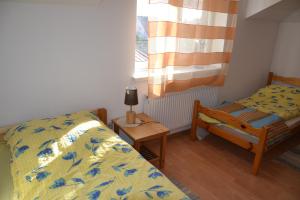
<point>141,51</point>
<point>142,35</point>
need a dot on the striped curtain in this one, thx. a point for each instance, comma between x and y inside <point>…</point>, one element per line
<point>189,44</point>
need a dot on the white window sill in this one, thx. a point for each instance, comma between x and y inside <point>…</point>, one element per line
<point>213,70</point>
<point>142,76</point>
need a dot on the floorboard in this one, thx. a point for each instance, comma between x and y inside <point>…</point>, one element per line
<point>216,169</point>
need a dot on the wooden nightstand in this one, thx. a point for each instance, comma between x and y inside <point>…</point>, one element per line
<point>148,130</point>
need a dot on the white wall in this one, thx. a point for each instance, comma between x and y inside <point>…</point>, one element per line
<point>58,58</point>
<point>255,6</point>
<point>251,56</point>
<point>275,10</point>
<point>286,58</point>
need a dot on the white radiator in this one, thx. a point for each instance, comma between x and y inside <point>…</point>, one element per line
<point>175,110</point>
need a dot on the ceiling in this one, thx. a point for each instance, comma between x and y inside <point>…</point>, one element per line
<point>284,10</point>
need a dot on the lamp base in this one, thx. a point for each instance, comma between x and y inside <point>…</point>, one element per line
<point>130,117</point>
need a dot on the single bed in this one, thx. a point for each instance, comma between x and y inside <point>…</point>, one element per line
<point>76,156</point>
<point>257,123</point>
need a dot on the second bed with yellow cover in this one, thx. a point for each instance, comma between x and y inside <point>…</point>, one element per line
<point>274,106</point>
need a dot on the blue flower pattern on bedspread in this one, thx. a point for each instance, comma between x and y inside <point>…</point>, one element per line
<point>19,149</point>
<point>69,157</point>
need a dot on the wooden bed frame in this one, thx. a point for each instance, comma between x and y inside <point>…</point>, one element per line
<point>101,113</point>
<point>261,133</point>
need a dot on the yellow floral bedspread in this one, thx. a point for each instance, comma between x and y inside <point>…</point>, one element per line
<point>275,99</point>
<point>77,157</point>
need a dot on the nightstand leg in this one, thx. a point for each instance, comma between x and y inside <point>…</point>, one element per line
<point>137,146</point>
<point>116,129</point>
<point>163,144</point>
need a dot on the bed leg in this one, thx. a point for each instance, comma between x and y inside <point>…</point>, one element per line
<point>259,152</point>
<point>194,120</point>
<point>257,162</point>
<point>194,130</point>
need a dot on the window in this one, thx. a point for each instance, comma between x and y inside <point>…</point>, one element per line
<point>173,44</point>
<point>141,49</point>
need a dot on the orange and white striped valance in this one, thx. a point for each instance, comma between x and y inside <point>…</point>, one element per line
<point>190,36</point>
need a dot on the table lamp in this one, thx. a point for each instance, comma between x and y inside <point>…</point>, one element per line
<point>131,99</point>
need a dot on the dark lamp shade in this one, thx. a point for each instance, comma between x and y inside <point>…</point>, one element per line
<point>131,97</point>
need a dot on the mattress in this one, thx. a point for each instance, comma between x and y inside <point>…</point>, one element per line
<point>292,123</point>
<point>6,186</point>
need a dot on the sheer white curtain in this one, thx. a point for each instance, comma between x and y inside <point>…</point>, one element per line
<point>189,44</point>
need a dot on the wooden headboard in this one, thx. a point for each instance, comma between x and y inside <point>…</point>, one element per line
<point>101,113</point>
<point>288,80</point>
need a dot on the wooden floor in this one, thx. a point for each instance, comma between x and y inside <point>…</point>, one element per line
<point>216,169</point>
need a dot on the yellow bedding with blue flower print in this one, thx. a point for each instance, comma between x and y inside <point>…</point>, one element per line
<point>76,156</point>
<point>281,100</point>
